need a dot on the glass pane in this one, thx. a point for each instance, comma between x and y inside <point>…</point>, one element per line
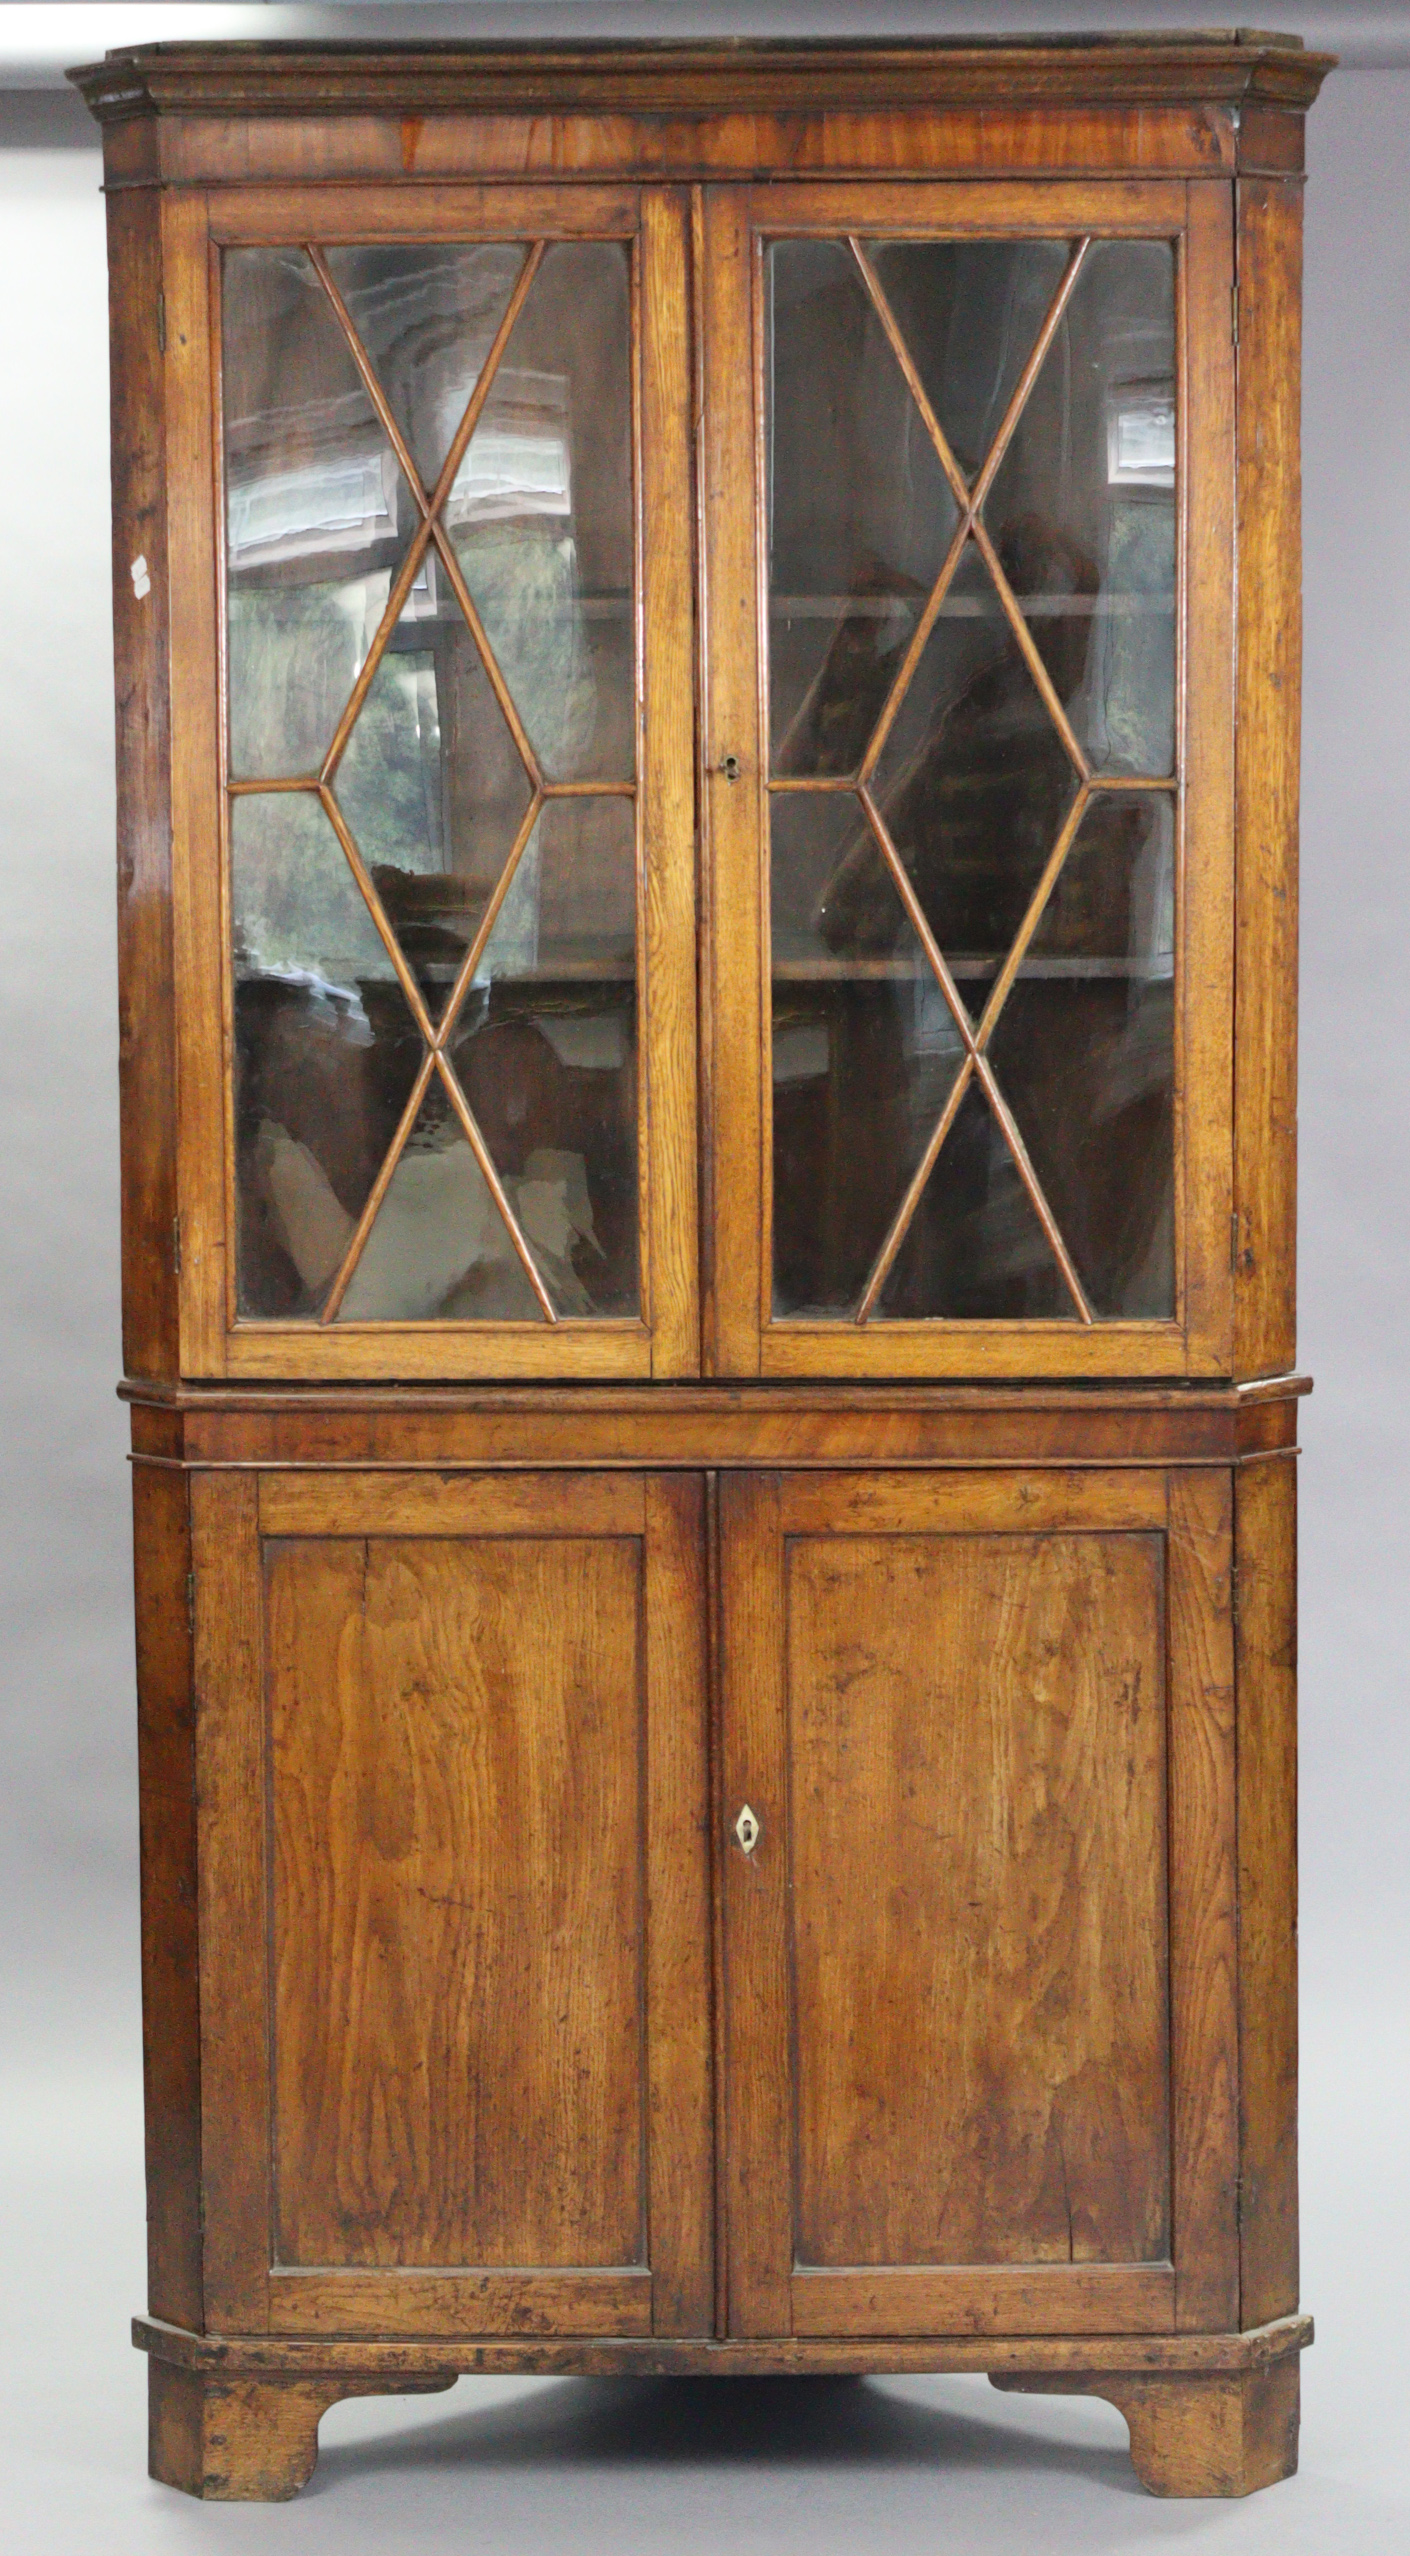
<point>865,1050</point>
<point>545,1050</point>
<point>317,514</point>
<point>970,311</point>
<point>1084,1053</point>
<point>975,1250</point>
<point>541,514</point>
<point>326,1052</point>
<point>860,514</point>
<point>432,785</point>
<point>427,316</point>
<point>439,1247</point>
<point>974,782</point>
<point>1082,510</point>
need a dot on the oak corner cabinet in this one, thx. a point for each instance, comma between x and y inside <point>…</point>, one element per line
<point>707,673</point>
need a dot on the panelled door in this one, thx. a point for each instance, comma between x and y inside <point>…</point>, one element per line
<point>979,1903</point>
<point>967,469</point>
<point>433,757</point>
<point>455,1925</point>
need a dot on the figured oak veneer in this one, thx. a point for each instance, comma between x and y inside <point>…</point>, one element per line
<point>481,2032</point>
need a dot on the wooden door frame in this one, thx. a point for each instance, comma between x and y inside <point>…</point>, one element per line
<point>232,1513</point>
<point>1199,2288</point>
<point>664,1340</point>
<point>741,1338</point>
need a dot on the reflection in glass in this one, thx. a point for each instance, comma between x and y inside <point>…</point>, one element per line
<point>545,1050</point>
<point>975,1250</point>
<point>540,513</point>
<point>865,1050</point>
<point>1084,1053</point>
<point>317,514</point>
<point>970,312</point>
<point>326,1052</point>
<point>432,785</point>
<point>974,782</point>
<point>427,315</point>
<point>860,511</point>
<point>439,1247</point>
<point>1082,509</point>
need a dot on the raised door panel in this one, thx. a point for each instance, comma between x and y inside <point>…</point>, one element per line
<point>980,2023</point>
<point>433,749</point>
<point>969,765</point>
<point>461,1758</point>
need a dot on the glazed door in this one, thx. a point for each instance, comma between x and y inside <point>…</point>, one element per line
<point>969,777</point>
<point>978,1873</point>
<point>443,822</point>
<point>455,1930</point>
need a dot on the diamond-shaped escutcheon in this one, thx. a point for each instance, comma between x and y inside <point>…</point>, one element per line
<point>540,514</point>
<point>427,313</point>
<point>1082,507</point>
<point>326,1051</point>
<point>974,782</point>
<point>432,784</point>
<point>865,1051</point>
<point>317,513</point>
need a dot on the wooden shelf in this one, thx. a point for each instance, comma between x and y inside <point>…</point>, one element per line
<point>864,971</point>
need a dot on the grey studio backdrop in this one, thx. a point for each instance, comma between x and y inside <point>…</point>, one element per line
<point>627,2465</point>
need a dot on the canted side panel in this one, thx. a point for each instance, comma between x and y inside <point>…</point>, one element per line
<point>146,1020</point>
<point>457,1955</point>
<point>1269,747</point>
<point>1265,1563</point>
<point>161,1543</point>
<point>977,1755</point>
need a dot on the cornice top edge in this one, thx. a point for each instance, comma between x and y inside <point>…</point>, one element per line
<point>693,78</point>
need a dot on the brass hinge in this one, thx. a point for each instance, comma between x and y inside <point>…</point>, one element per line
<point>161,323</point>
<point>176,1242</point>
<point>190,1601</point>
<point>1234,1242</point>
<point>1234,312</point>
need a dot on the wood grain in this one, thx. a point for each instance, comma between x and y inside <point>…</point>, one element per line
<point>1203,1900</point>
<point>668,790</point>
<point>977,1781</point>
<point>230,1795</point>
<point>680,2152</point>
<point>1265,1566</point>
<point>197,922</point>
<point>146,1015</point>
<point>1130,2354</point>
<point>734,809</point>
<point>1204,1002</point>
<point>1019,1503</point>
<point>457,1953</point>
<point>509,2302</point>
<point>1268,774</point>
<point>1195,2436</point>
<point>1010,2299</point>
<point>420,1504</point>
<point>171,2020</point>
<point>758,2163</point>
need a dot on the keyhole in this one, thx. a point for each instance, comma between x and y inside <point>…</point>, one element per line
<point>730,767</point>
<point>746,1829</point>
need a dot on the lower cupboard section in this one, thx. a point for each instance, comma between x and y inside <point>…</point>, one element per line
<point>513,2026</point>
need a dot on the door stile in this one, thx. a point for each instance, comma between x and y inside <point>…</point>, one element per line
<point>760,2092</point>
<point>666,765</point>
<point>1203,1902</point>
<point>733,779</point>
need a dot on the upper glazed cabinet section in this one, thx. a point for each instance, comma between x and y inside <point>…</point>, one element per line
<point>985,835</point>
<point>855,550</point>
